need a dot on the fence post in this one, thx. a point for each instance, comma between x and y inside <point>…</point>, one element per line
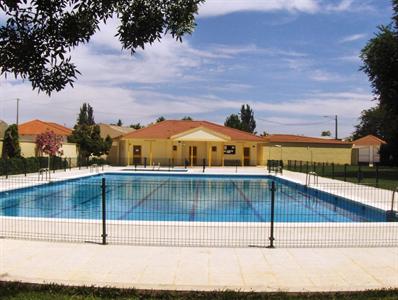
<point>144,162</point>
<point>204,165</point>
<point>345,172</point>
<point>271,234</point>
<point>307,167</point>
<point>103,188</point>
<point>377,175</point>
<point>6,163</point>
<point>301,166</point>
<point>332,170</point>
<point>24,166</point>
<point>295,165</point>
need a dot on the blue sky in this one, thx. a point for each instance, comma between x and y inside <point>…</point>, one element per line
<point>293,61</point>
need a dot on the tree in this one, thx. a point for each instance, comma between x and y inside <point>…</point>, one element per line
<point>119,123</point>
<point>160,119</point>
<point>187,118</point>
<point>326,133</point>
<point>49,143</point>
<point>87,135</point>
<point>137,126</point>
<point>233,121</point>
<point>380,63</point>
<point>38,37</point>
<point>247,119</point>
<point>372,121</point>
<point>86,115</point>
<point>11,146</point>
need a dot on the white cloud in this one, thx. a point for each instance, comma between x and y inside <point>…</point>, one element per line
<point>324,76</point>
<point>353,38</point>
<point>342,6</point>
<point>349,6</point>
<point>354,58</point>
<point>212,8</point>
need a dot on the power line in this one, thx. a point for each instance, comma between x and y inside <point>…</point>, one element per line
<point>291,124</point>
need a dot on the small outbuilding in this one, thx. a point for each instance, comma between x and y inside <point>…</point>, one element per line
<point>368,149</point>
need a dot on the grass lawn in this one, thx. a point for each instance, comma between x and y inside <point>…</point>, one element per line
<point>388,176</point>
<point>19,291</point>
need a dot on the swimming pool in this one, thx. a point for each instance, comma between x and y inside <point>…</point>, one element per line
<point>204,198</point>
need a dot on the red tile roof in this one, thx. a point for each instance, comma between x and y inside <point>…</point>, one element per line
<point>369,140</point>
<point>36,127</point>
<point>289,138</point>
<point>169,128</point>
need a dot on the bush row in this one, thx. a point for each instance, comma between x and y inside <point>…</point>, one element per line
<point>14,166</point>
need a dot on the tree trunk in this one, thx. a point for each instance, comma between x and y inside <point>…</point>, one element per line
<point>49,165</point>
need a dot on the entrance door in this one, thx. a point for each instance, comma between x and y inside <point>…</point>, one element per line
<point>137,153</point>
<point>246,156</point>
<point>193,155</point>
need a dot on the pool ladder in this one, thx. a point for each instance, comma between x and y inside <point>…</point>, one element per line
<point>43,173</point>
<point>308,178</point>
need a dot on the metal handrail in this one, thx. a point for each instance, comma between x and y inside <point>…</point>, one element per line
<point>393,198</point>
<point>41,173</point>
<point>308,178</point>
<point>94,168</point>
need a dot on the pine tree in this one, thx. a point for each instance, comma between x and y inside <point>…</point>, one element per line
<point>87,135</point>
<point>247,119</point>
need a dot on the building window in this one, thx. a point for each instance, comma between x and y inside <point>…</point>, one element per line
<point>174,148</point>
<point>214,148</point>
<point>229,149</point>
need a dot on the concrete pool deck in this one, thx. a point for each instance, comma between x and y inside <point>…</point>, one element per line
<point>185,268</point>
<point>179,268</point>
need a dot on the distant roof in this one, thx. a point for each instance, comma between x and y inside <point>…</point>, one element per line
<point>121,129</point>
<point>169,128</point>
<point>370,139</point>
<point>289,138</point>
<point>35,127</point>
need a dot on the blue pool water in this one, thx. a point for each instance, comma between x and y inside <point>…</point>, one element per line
<point>183,198</point>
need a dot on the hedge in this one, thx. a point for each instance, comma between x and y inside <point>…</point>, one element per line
<point>14,166</point>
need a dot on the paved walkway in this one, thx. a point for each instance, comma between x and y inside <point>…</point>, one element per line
<point>245,269</point>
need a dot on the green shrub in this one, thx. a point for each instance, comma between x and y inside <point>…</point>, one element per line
<point>13,166</point>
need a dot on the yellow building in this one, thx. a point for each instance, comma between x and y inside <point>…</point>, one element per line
<point>287,147</point>
<point>194,143</point>
<point>29,131</point>
<point>113,131</point>
<point>191,143</point>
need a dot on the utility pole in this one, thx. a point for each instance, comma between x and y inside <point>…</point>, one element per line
<point>18,110</point>
<point>336,124</point>
<point>336,128</point>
